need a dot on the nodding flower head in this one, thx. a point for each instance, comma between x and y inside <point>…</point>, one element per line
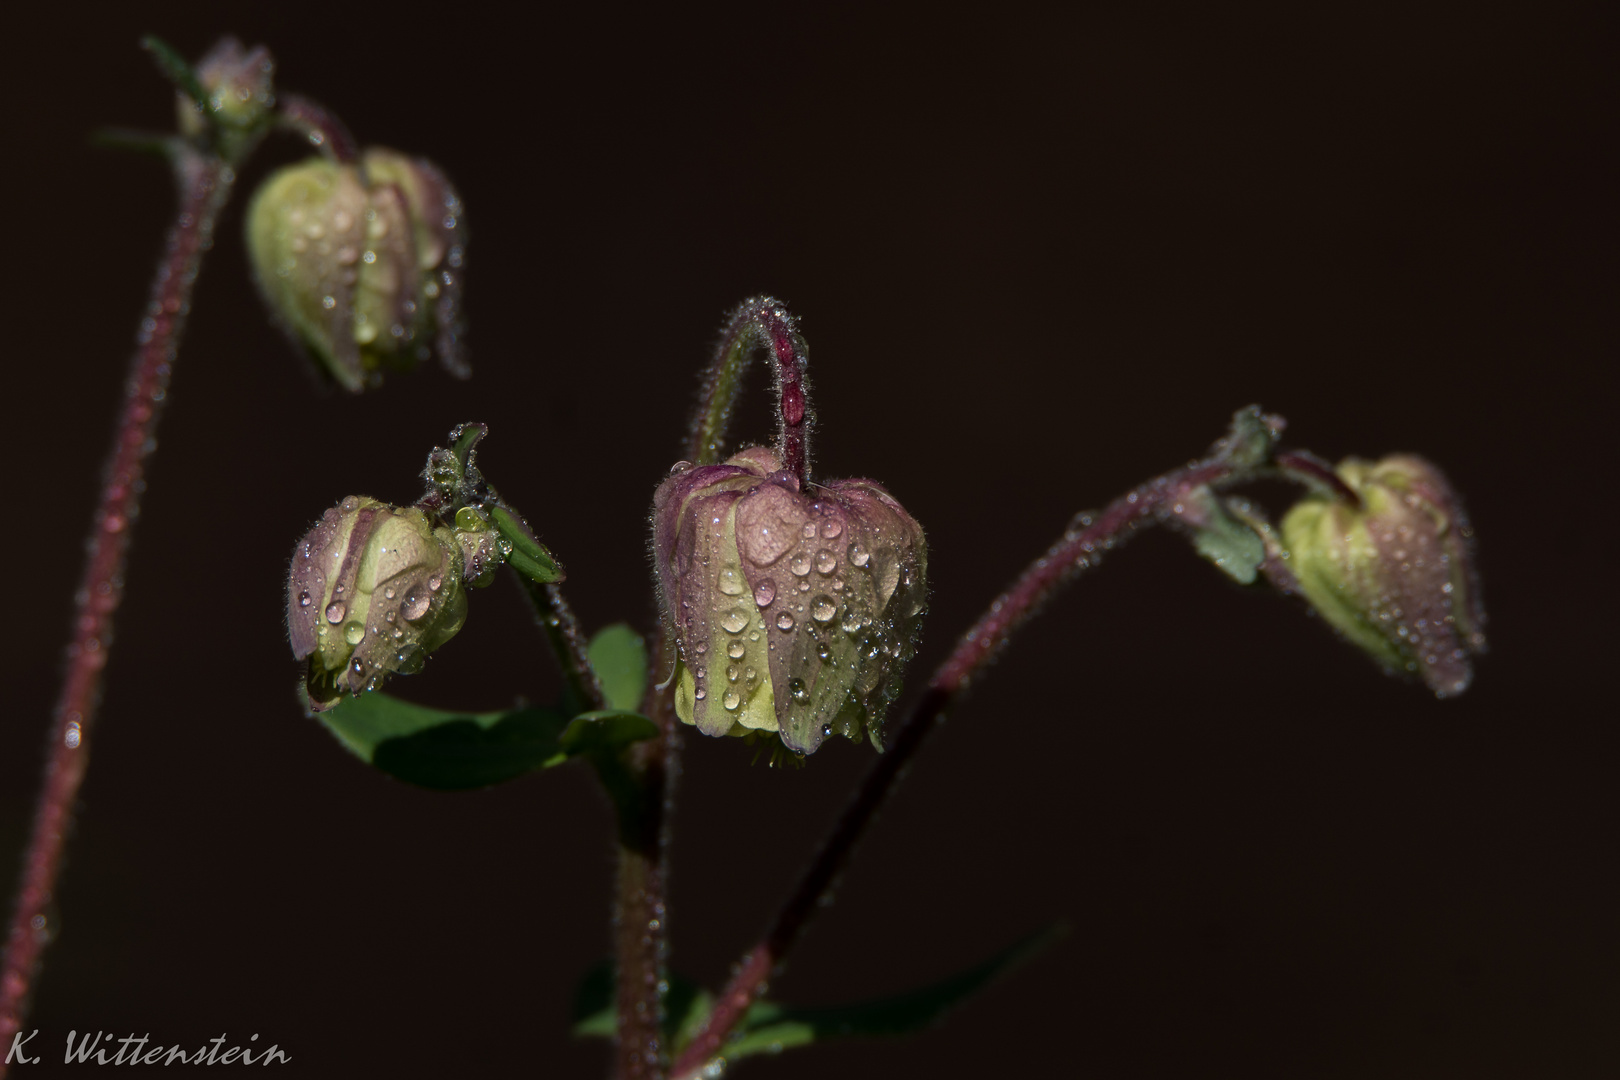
<point>362,263</point>
<point>1393,571</point>
<point>373,590</point>
<point>794,612</point>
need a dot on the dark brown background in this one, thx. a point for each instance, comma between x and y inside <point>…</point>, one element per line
<point>1039,256</point>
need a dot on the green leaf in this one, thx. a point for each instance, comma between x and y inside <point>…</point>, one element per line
<point>528,555</point>
<point>620,658</point>
<point>455,751</point>
<point>1229,544</point>
<point>605,732</point>
<point>770,1028</point>
<point>686,1006</point>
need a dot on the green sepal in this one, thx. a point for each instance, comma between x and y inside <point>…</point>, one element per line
<point>528,556</point>
<point>771,1028</point>
<point>619,656</point>
<point>458,751</point>
<point>176,69</point>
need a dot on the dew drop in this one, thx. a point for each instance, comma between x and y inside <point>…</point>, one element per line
<point>851,622</point>
<point>732,673</point>
<point>823,653</point>
<point>800,694</point>
<point>353,633</point>
<point>736,649</point>
<point>800,565</point>
<point>388,593</point>
<point>303,599</point>
<point>823,609</point>
<point>416,605</point>
<point>784,621</point>
<point>700,693</point>
<point>809,530</point>
<point>731,700</point>
<point>335,611</point>
<point>858,554</point>
<point>826,561</point>
<point>731,582</point>
<point>765,592</point>
<point>831,527</point>
<point>734,621</point>
<point>435,582</point>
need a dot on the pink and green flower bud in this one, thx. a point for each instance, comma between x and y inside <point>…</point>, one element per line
<point>237,95</point>
<point>1395,573</point>
<point>362,263</point>
<point>794,613</point>
<point>373,590</point>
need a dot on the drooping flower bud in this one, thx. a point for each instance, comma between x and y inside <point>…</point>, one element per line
<point>362,262</point>
<point>373,590</point>
<point>793,612</point>
<point>1394,574</point>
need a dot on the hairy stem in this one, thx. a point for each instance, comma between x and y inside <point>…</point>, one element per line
<point>205,184</point>
<point>760,321</point>
<point>320,126</point>
<point>1081,546</point>
<point>567,642</point>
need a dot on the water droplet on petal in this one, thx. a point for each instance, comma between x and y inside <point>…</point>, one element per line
<point>858,554</point>
<point>353,633</point>
<point>731,699</point>
<point>826,561</point>
<point>823,609</point>
<point>800,565</point>
<point>784,621</point>
<point>303,599</point>
<point>765,592</point>
<point>335,611</point>
<point>796,688</point>
<point>731,582</point>
<point>736,649</point>
<point>734,621</point>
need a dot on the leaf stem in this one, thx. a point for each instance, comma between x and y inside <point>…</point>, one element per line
<point>1080,547</point>
<point>759,321</point>
<point>205,185</point>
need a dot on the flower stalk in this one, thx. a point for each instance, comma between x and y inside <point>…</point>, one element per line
<point>205,185</point>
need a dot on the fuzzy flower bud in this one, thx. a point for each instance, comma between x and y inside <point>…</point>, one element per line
<point>362,262</point>
<point>1394,574</point>
<point>793,612</point>
<point>237,91</point>
<point>373,589</point>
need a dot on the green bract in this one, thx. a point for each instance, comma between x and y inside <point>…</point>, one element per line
<point>1394,574</point>
<point>362,262</point>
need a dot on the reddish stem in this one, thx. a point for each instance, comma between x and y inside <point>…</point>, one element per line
<point>205,183</point>
<point>761,320</point>
<point>1080,547</point>
<point>321,127</point>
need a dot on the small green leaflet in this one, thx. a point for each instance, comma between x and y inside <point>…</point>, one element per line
<point>770,1028</point>
<point>456,751</point>
<point>619,657</point>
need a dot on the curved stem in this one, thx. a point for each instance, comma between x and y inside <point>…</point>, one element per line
<point>567,642</point>
<point>205,184</point>
<point>1081,546</point>
<point>760,321</point>
<point>320,126</point>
